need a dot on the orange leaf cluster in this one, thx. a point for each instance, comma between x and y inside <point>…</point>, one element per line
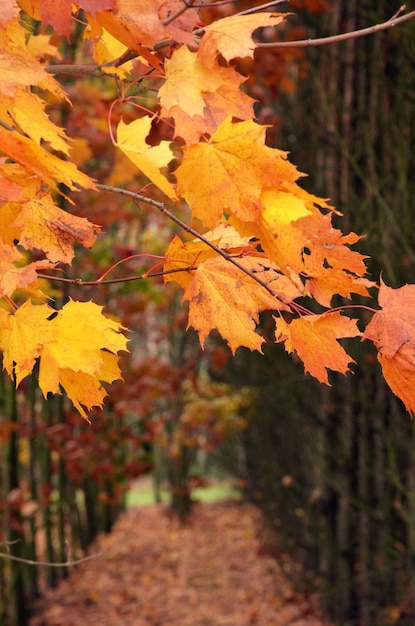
<point>268,243</point>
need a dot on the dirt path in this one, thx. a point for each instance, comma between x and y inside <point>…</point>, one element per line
<point>213,572</point>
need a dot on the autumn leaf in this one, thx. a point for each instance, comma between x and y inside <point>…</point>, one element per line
<point>149,159</point>
<point>314,338</point>
<point>13,277</point>
<point>58,13</point>
<point>200,98</point>
<point>394,325</point>
<point>77,344</point>
<point>40,224</point>
<point>17,70</point>
<point>232,36</point>
<point>134,22</point>
<point>222,296</point>
<point>29,112</point>
<point>399,373</point>
<point>392,330</point>
<point>47,166</point>
<point>22,336</point>
<point>231,170</point>
<point>186,80</point>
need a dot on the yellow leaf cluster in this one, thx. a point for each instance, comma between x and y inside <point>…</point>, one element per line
<point>77,349</point>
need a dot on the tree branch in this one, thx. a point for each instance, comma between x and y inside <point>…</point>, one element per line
<point>162,208</point>
<point>112,281</point>
<point>363,32</point>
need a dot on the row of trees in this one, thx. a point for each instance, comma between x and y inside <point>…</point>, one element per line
<point>334,468</point>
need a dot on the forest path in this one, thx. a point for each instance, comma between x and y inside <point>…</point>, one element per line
<point>215,571</point>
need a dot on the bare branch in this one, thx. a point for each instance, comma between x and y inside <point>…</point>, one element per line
<point>112,281</point>
<point>363,32</point>
<point>4,555</point>
<point>187,4</point>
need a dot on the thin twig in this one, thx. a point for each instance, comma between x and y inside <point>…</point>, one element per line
<point>354,34</point>
<point>162,208</point>
<point>186,6</point>
<point>4,555</point>
<point>260,7</point>
<point>112,281</point>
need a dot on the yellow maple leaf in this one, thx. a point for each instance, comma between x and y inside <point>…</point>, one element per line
<point>228,173</point>
<point>149,159</point>
<point>22,337</point>
<point>199,99</point>
<point>106,48</point>
<point>77,347</point>
<point>29,112</point>
<point>81,332</point>
<point>186,78</point>
<point>314,339</point>
<point>232,36</point>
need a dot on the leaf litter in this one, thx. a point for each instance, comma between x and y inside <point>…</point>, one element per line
<point>213,571</point>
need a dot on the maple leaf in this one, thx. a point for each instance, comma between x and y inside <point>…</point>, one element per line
<point>149,159</point>
<point>12,277</point>
<point>40,224</point>
<point>200,98</point>
<point>222,296</point>
<point>28,111</point>
<point>314,339</point>
<point>47,166</point>
<point>85,389</point>
<point>180,255</point>
<point>232,36</point>
<point>17,70</point>
<point>186,78</point>
<point>58,13</point>
<point>392,330</point>
<point>22,336</point>
<point>231,169</point>
<point>59,340</point>
<point>106,48</point>
<point>134,22</point>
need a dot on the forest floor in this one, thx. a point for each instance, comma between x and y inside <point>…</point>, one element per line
<point>215,571</point>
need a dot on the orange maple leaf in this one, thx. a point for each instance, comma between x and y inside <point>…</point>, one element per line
<point>200,98</point>
<point>47,166</point>
<point>222,296</point>
<point>314,339</point>
<point>40,224</point>
<point>392,330</point>
<point>17,70</point>
<point>134,22</point>
<point>232,36</point>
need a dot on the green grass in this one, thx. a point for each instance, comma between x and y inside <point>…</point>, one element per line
<point>142,496</point>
